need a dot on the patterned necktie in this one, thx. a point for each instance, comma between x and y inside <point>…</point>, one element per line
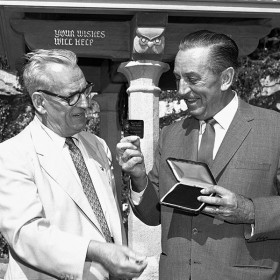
<point>88,187</point>
<point>205,153</point>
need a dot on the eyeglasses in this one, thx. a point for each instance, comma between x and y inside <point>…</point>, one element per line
<point>74,97</point>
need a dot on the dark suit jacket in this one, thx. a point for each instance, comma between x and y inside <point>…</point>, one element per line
<point>247,163</point>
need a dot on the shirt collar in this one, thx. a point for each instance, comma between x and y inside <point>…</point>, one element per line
<point>58,140</point>
<point>226,115</point>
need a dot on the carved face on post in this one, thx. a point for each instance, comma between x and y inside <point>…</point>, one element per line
<point>148,43</point>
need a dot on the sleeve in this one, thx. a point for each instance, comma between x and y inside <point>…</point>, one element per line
<point>267,210</point>
<point>148,210</point>
<point>32,238</point>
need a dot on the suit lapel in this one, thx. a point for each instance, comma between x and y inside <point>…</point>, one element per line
<point>92,151</point>
<point>190,139</point>
<point>236,134</point>
<point>107,195</point>
<point>52,161</point>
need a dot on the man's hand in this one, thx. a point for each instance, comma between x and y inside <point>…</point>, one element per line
<point>131,160</point>
<point>231,207</point>
<point>120,261</point>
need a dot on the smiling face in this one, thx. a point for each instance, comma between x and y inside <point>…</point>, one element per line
<point>63,119</point>
<point>198,85</point>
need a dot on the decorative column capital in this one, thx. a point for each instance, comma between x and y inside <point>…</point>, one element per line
<point>143,75</point>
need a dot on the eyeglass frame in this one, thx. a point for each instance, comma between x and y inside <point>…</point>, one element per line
<point>68,98</point>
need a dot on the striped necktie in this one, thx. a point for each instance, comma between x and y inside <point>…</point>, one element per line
<point>205,152</point>
<point>88,187</point>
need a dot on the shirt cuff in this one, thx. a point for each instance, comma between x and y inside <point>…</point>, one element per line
<point>252,230</point>
<point>249,231</point>
<point>136,197</point>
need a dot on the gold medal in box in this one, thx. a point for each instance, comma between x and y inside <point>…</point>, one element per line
<point>192,176</point>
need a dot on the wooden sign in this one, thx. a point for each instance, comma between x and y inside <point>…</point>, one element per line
<point>85,38</point>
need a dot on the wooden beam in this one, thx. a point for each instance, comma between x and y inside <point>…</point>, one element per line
<point>113,40</point>
<point>239,6</point>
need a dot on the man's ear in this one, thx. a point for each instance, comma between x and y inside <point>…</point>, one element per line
<point>227,78</point>
<point>38,102</point>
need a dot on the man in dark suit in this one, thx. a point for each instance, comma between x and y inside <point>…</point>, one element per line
<point>58,206</point>
<point>236,236</point>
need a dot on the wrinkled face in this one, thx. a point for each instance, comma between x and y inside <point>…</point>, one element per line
<point>60,117</point>
<point>197,84</point>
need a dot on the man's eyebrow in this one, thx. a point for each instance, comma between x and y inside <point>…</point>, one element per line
<point>187,74</point>
<point>192,73</point>
<point>76,92</point>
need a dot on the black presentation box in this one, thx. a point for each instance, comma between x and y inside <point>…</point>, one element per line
<point>192,176</point>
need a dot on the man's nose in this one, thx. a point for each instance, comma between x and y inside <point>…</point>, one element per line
<point>83,101</point>
<point>183,87</point>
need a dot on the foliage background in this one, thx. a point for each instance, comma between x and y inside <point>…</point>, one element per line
<point>258,72</point>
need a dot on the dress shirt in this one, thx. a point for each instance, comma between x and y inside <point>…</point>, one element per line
<point>223,120</point>
<point>60,143</point>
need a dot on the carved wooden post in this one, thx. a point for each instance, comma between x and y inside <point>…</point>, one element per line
<point>143,104</point>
